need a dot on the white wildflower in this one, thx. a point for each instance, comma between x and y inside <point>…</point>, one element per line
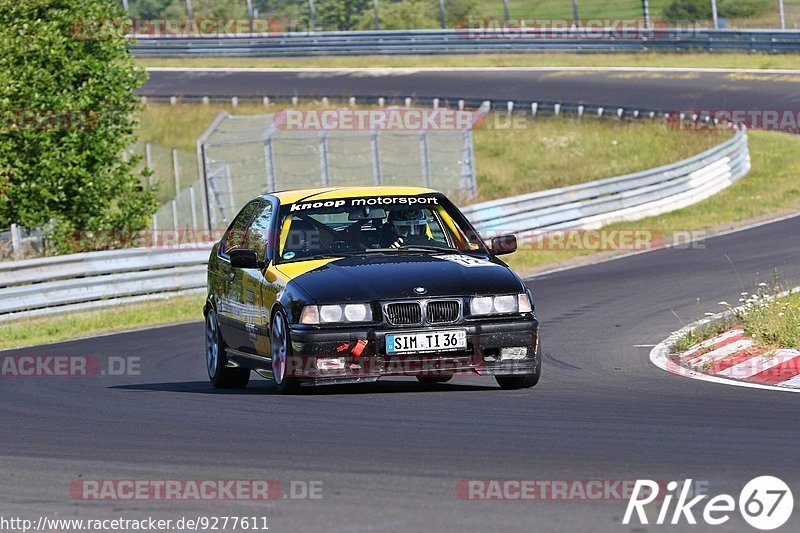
<point>723,302</point>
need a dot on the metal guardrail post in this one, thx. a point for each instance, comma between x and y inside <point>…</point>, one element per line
<point>467,178</point>
<point>202,166</point>
<point>783,15</point>
<point>714,15</point>
<point>16,241</point>
<point>176,172</point>
<point>250,14</point>
<point>506,13</point>
<point>374,144</point>
<point>193,209</point>
<point>442,15</point>
<point>423,156</point>
<point>269,164</point>
<point>229,183</point>
<point>311,17</point>
<point>575,18</point>
<point>323,158</point>
<point>377,18</point>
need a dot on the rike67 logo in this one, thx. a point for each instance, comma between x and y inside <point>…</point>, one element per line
<point>765,503</point>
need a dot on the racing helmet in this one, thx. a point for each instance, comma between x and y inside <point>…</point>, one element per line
<point>408,221</point>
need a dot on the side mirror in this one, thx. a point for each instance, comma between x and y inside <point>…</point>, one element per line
<point>504,244</point>
<point>245,258</point>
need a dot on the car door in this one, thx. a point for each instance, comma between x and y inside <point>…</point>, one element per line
<point>231,306</point>
<point>259,293</point>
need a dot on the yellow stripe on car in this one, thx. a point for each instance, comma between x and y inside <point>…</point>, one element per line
<point>290,271</point>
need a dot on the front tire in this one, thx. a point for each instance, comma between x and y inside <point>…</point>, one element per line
<point>219,373</point>
<point>522,381</point>
<point>281,351</point>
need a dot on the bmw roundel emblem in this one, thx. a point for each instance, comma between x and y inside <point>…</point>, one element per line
<point>420,290</point>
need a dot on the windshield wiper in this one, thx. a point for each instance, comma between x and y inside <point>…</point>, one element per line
<point>415,248</point>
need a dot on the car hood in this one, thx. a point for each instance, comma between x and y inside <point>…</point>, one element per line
<point>383,277</point>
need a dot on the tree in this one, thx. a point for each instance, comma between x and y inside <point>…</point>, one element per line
<point>342,15</point>
<point>67,108</point>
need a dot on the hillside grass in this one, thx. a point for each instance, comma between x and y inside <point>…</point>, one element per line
<point>770,188</point>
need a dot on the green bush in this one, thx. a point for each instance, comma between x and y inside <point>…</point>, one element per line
<point>412,14</point>
<point>70,171</point>
<point>687,10</point>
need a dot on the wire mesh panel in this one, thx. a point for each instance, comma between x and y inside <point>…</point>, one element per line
<point>243,156</point>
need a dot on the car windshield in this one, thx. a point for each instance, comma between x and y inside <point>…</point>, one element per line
<point>374,225</point>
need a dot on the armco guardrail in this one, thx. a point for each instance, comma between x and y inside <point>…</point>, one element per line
<point>466,41</point>
<point>630,197</point>
<point>94,279</point>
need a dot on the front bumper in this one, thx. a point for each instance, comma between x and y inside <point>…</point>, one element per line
<point>362,352</point>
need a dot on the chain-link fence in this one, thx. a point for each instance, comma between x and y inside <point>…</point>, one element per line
<point>342,15</point>
<point>243,156</point>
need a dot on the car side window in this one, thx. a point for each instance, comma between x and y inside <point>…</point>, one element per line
<point>236,235</point>
<point>258,234</point>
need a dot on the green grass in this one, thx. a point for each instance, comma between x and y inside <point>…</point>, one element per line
<point>682,60</point>
<point>768,315</point>
<point>697,335</point>
<point>771,187</point>
<point>33,331</point>
<point>555,152</point>
<point>770,318</point>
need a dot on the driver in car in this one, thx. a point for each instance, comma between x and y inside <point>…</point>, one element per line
<point>408,227</point>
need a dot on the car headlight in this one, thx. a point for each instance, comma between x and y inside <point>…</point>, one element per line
<point>500,305</point>
<point>333,314</point>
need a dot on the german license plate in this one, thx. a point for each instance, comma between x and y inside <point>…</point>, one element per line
<point>428,341</point>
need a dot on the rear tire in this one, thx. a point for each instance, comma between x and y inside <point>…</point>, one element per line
<point>219,373</point>
<point>522,381</point>
<point>281,351</point>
